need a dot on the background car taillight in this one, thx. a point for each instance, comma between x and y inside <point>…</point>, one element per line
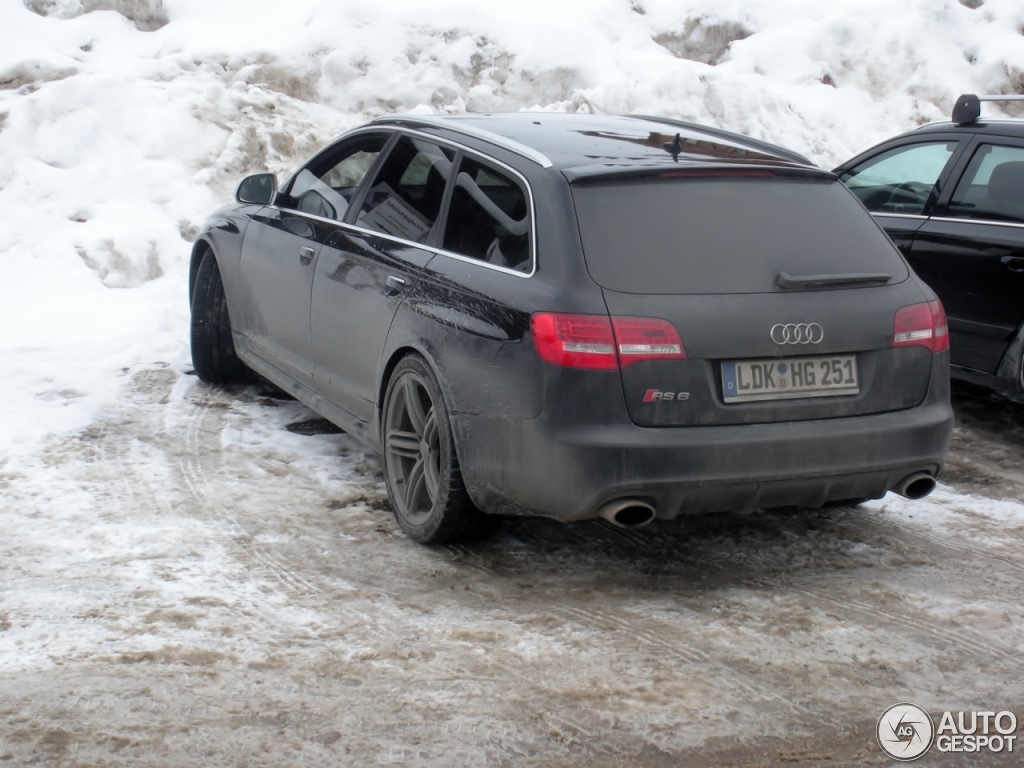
<point>603,343</point>
<point>921,325</point>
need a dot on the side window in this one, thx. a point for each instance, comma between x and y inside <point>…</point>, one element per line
<point>992,187</point>
<point>489,217</point>
<point>405,197</point>
<point>900,180</point>
<point>327,185</point>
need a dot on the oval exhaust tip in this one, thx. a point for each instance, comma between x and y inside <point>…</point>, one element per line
<point>916,486</point>
<point>627,513</point>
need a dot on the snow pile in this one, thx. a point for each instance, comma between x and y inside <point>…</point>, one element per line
<point>123,123</point>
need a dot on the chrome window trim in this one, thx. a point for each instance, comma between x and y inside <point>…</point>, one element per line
<point>467,130</point>
<point>431,249</point>
<point>900,215</point>
<point>402,241</point>
<point>952,220</point>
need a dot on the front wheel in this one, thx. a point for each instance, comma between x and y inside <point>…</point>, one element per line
<point>421,469</point>
<point>213,348</point>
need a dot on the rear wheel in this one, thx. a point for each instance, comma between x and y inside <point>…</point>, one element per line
<point>421,469</point>
<point>213,348</point>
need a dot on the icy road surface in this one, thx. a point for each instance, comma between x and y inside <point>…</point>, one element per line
<point>211,578</point>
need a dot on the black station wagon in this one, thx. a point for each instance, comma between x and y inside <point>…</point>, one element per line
<point>581,316</point>
<point>951,196</point>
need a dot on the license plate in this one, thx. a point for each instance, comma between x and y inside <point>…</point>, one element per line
<point>750,380</point>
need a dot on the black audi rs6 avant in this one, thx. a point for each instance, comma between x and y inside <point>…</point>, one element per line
<point>580,316</point>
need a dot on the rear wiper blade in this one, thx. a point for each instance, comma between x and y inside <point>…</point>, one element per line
<point>787,281</point>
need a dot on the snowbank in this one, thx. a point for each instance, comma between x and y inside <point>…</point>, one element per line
<point>123,123</point>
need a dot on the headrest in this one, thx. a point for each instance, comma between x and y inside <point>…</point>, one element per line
<point>1006,184</point>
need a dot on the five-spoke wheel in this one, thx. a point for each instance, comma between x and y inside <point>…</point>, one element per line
<point>421,468</point>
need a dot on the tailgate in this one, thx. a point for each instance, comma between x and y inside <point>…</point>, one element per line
<point>756,358</point>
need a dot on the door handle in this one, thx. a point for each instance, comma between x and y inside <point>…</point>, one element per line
<point>1013,263</point>
<point>395,285</point>
<point>306,254</point>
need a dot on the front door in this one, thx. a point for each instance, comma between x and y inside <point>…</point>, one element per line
<point>282,245</point>
<point>278,254</point>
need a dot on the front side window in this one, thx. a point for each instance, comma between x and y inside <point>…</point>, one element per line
<point>489,217</point>
<point>328,184</point>
<point>405,197</point>
<point>900,180</point>
<point>992,187</point>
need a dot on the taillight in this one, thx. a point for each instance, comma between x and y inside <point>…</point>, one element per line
<point>575,341</point>
<point>921,325</point>
<point>646,338</point>
<point>601,343</point>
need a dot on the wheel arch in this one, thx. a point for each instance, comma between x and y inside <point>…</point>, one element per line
<point>200,248</point>
<point>1010,370</point>
<point>396,356</point>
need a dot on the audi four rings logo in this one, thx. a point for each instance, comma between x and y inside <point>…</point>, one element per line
<point>797,333</point>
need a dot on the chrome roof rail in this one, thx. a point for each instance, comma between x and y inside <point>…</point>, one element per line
<point>453,124</point>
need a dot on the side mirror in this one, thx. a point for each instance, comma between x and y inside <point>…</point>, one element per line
<point>258,189</point>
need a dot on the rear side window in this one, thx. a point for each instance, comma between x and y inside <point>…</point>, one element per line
<point>992,187</point>
<point>711,235</point>
<point>405,197</point>
<point>489,217</point>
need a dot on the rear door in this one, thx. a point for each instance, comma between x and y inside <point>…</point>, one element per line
<point>783,291</point>
<point>369,264</point>
<point>972,253</point>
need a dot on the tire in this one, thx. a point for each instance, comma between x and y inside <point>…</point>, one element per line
<point>213,348</point>
<point>421,468</point>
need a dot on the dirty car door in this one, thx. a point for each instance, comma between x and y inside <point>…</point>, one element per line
<point>368,265</point>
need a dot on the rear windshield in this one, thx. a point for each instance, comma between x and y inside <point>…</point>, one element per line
<point>726,235</point>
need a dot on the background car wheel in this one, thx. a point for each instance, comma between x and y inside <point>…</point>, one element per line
<point>213,349</point>
<point>421,468</point>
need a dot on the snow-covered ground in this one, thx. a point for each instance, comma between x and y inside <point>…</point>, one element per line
<point>185,581</point>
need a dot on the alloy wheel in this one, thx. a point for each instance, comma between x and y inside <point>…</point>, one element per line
<point>412,448</point>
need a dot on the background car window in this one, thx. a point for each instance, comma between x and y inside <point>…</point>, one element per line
<point>900,180</point>
<point>992,187</point>
<point>406,194</point>
<point>488,218</point>
<point>327,185</point>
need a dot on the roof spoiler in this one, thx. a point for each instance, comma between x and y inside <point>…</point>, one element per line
<point>968,106</point>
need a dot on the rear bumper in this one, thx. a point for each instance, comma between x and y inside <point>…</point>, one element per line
<point>568,472</point>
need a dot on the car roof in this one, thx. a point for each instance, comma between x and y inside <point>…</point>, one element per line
<point>1005,127</point>
<point>588,143</point>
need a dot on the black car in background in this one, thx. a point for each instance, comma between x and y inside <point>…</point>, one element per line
<point>579,316</point>
<point>951,196</point>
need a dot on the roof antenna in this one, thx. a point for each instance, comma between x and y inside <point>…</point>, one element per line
<point>674,147</point>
